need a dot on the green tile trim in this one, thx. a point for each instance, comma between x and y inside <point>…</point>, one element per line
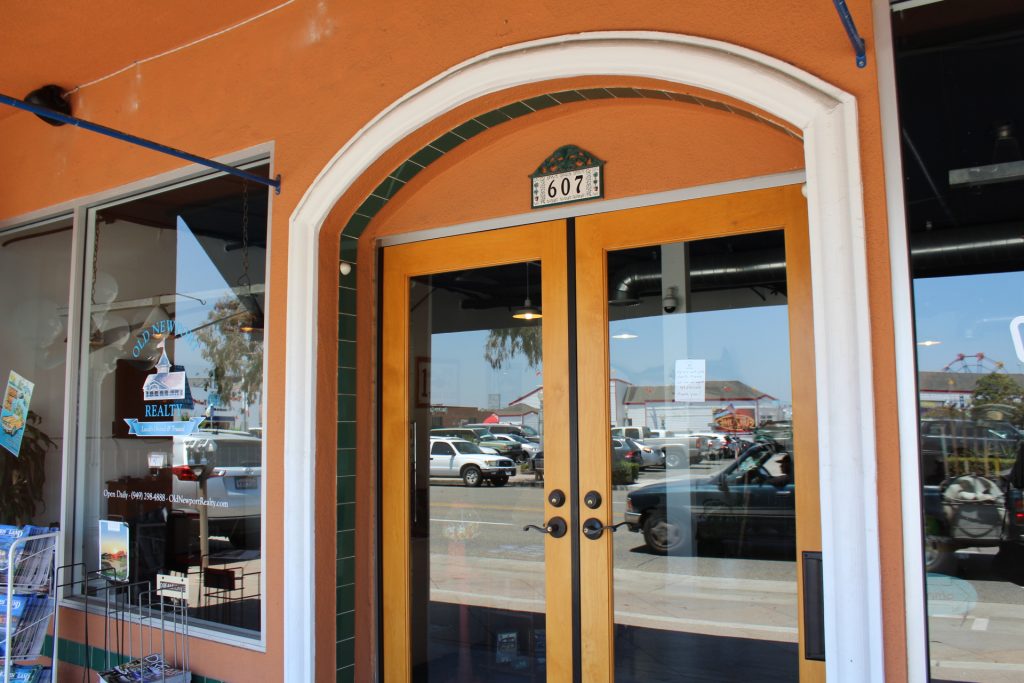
<point>541,102</point>
<point>354,228</point>
<point>493,118</point>
<point>515,110</point>
<point>346,327</point>
<point>388,188</point>
<point>371,206</point>
<point>596,94</point>
<point>625,93</point>
<point>424,157</point>
<point>346,674</point>
<point>447,142</point>
<point>469,129</point>
<point>568,96</point>
<point>97,658</point>
<point>346,652</point>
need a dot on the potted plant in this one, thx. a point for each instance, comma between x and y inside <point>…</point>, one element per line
<point>22,477</point>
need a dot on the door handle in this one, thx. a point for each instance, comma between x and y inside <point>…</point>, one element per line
<point>556,526</point>
<point>594,529</point>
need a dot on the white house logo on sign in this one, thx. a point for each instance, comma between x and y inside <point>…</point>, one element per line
<point>570,174</point>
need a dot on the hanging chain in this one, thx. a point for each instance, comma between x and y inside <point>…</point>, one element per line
<point>245,233</point>
<point>95,255</point>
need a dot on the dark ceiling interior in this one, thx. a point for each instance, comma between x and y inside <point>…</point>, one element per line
<point>960,72</point>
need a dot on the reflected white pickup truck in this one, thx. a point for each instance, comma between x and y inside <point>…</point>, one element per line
<point>469,462</point>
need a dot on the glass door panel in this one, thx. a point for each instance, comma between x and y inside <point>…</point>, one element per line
<point>671,414</point>
<point>471,439</point>
<point>693,376</point>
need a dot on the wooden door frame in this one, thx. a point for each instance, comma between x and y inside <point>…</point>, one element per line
<point>720,216</point>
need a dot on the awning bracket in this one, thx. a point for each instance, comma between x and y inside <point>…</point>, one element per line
<point>851,31</point>
<point>141,142</point>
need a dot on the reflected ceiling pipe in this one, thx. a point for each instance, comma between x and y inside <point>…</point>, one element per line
<point>720,271</point>
<point>980,248</point>
<point>990,247</point>
<point>630,283</point>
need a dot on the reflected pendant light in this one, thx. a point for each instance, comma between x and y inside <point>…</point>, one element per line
<point>527,311</point>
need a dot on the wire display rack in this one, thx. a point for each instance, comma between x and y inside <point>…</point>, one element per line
<point>30,606</point>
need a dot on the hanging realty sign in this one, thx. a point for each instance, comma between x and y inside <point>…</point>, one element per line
<point>165,393</point>
<point>570,174</point>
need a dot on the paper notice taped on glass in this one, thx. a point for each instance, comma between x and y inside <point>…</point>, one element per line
<point>690,376</point>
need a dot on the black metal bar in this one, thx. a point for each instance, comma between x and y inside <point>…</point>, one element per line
<point>574,452</point>
<point>814,607</point>
<point>851,31</point>
<point>141,142</point>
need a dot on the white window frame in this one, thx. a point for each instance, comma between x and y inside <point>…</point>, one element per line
<point>81,210</point>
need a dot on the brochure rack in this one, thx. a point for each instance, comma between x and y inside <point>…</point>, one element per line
<point>149,630</point>
<point>28,569</point>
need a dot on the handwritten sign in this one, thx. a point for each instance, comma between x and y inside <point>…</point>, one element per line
<point>690,377</point>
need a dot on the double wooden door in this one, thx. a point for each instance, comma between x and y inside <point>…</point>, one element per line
<point>553,546</point>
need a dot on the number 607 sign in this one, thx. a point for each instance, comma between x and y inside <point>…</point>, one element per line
<point>571,186</point>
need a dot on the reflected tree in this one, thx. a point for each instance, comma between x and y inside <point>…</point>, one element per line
<point>234,351</point>
<point>506,343</point>
<point>1002,390</point>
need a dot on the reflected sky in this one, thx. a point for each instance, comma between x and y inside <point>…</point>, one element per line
<point>969,314</point>
<point>750,345</point>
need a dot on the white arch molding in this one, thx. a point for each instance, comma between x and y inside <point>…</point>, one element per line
<point>828,118</point>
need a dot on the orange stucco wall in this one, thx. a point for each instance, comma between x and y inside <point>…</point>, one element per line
<point>648,145</point>
<point>309,75</point>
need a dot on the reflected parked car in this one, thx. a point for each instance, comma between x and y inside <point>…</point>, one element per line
<point>457,458</point>
<point>525,431</point>
<point>477,435</point>
<point>751,500</point>
<point>231,460</point>
<point>522,449</point>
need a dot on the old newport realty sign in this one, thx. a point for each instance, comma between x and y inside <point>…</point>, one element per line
<point>570,174</point>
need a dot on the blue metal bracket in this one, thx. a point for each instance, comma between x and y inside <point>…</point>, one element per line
<point>141,142</point>
<point>851,31</point>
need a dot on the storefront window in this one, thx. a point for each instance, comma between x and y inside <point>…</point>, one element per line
<point>963,161</point>
<point>171,396</point>
<point>35,267</point>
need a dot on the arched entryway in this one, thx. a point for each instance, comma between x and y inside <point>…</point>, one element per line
<point>826,118</point>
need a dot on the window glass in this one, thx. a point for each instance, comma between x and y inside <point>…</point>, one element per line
<point>171,395</point>
<point>466,447</point>
<point>440,448</point>
<point>962,157</point>
<point>35,267</point>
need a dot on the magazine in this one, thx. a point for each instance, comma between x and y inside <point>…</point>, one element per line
<point>30,619</point>
<point>18,605</point>
<point>149,668</point>
<point>29,674</point>
<point>32,561</point>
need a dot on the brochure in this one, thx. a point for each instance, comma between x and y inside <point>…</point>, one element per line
<point>14,412</point>
<point>18,605</point>
<point>33,564</point>
<point>28,674</point>
<point>30,619</point>
<point>114,560</point>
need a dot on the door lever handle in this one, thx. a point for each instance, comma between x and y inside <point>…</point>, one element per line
<point>593,529</point>
<point>556,526</point>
